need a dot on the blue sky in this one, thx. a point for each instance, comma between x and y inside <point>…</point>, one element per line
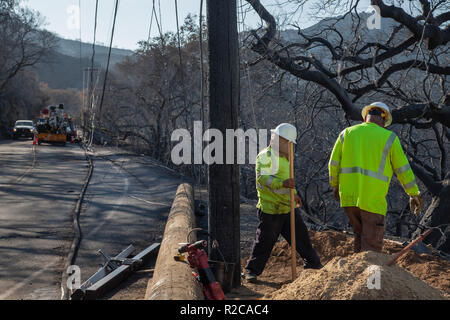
<point>133,19</point>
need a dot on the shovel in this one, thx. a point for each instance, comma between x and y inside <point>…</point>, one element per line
<point>293,244</point>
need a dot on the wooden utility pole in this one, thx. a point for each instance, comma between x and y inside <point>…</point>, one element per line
<point>223,179</point>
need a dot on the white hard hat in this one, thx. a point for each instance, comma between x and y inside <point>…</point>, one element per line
<point>287,131</point>
<point>380,105</point>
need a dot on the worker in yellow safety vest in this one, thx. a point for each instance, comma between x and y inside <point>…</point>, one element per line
<point>363,160</point>
<point>273,187</point>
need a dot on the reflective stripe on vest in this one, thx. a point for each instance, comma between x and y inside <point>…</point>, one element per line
<point>277,191</point>
<point>410,184</point>
<point>269,180</point>
<point>379,174</point>
<point>405,168</point>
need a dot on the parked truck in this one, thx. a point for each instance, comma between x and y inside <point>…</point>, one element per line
<point>52,125</point>
<point>23,128</point>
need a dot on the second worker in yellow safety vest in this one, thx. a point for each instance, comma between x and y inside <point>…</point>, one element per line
<point>363,160</point>
<point>273,186</point>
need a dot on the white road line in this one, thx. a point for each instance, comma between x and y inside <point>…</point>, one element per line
<point>150,202</point>
<point>118,203</point>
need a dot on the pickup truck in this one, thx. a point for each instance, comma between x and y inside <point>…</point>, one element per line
<point>23,128</point>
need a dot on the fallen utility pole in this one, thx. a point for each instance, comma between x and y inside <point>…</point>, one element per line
<point>113,272</point>
<point>173,280</point>
<point>409,246</point>
<point>223,179</point>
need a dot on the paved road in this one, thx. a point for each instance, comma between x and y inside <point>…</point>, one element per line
<point>36,204</point>
<point>127,202</point>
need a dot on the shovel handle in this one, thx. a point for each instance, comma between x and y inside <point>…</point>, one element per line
<point>409,246</point>
<point>292,202</point>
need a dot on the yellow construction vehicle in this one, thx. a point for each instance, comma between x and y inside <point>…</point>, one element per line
<point>52,138</point>
<point>52,125</point>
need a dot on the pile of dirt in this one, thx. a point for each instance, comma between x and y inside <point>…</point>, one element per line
<point>331,245</point>
<point>352,278</point>
<point>328,244</point>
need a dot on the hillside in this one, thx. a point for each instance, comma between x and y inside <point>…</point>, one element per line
<point>71,48</point>
<point>61,69</point>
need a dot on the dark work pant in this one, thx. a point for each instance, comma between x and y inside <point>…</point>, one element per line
<point>368,228</point>
<point>269,228</point>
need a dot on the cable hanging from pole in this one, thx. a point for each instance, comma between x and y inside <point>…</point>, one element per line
<point>91,80</point>
<point>180,55</point>
<point>202,92</point>
<point>82,118</point>
<point>202,89</point>
<point>246,68</point>
<point>160,17</point>
<point>150,27</point>
<point>157,21</point>
<point>181,66</point>
<point>81,55</point>
<point>109,59</point>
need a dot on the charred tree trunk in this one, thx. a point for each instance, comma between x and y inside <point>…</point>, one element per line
<point>438,215</point>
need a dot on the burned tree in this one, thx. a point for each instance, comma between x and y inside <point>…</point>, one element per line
<point>405,64</point>
<point>23,43</point>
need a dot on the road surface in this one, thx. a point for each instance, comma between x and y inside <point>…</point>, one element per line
<point>38,190</point>
<point>127,202</point>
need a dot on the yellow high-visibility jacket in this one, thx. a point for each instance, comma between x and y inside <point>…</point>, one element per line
<point>271,171</point>
<point>361,164</point>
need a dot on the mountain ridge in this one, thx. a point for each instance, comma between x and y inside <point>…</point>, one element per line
<point>62,69</point>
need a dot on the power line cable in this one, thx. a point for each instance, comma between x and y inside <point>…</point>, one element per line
<point>81,57</point>
<point>181,66</point>
<point>91,80</point>
<point>110,22</point>
<point>202,89</point>
<point>157,21</point>
<point>160,17</point>
<point>150,27</point>
<point>109,59</point>
<point>93,43</point>
<point>179,54</point>
<point>246,69</point>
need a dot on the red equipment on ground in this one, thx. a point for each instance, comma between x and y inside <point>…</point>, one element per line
<point>198,259</point>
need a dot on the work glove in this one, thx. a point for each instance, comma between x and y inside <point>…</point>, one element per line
<point>289,183</point>
<point>336,193</point>
<point>415,204</point>
<point>298,201</point>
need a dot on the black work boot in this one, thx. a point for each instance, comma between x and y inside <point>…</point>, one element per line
<point>313,262</point>
<point>311,266</point>
<point>250,276</point>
